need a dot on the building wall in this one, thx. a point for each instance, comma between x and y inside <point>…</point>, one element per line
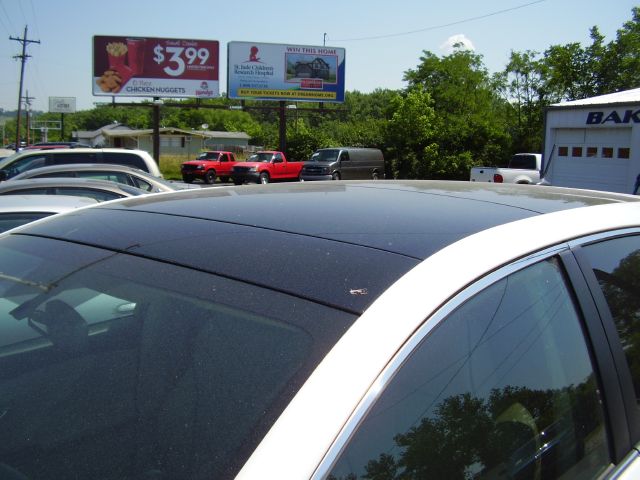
<point>595,147</point>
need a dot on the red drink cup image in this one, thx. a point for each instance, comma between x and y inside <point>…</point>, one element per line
<point>135,48</point>
<point>116,52</point>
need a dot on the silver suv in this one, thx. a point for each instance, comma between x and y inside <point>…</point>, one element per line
<point>28,160</point>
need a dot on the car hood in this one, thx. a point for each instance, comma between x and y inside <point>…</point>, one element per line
<point>196,162</point>
<point>250,164</point>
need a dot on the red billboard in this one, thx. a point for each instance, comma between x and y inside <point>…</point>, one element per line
<point>155,67</point>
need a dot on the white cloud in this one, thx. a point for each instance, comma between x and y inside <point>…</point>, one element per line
<point>456,42</point>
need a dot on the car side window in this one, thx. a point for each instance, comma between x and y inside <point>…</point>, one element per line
<point>344,156</point>
<point>503,387</point>
<point>616,265</point>
<point>129,159</point>
<point>99,195</point>
<point>73,157</point>
<point>24,164</point>
<point>139,183</point>
<point>104,175</point>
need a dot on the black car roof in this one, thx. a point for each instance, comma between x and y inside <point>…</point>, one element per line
<point>339,243</point>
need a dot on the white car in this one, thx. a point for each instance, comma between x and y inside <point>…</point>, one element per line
<point>102,171</point>
<point>16,210</point>
<point>29,159</point>
<point>338,330</point>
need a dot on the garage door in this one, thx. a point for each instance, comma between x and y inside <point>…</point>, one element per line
<point>592,158</point>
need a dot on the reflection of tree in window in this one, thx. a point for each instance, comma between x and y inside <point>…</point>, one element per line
<point>503,388</point>
<point>617,268</point>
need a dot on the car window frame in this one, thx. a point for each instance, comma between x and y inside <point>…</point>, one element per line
<point>630,404</point>
<point>594,326</point>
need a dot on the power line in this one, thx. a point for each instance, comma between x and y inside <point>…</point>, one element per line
<point>435,27</point>
<point>6,15</point>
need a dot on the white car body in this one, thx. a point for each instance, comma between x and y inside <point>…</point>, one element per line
<point>303,446</point>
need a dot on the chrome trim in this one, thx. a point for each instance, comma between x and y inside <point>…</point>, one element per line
<point>596,237</point>
<point>620,470</point>
<point>387,374</point>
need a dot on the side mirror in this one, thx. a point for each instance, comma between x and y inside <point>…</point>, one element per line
<point>3,175</point>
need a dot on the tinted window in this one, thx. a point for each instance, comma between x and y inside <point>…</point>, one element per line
<point>503,388</point>
<point>12,220</point>
<point>99,195</point>
<point>130,159</point>
<point>139,183</point>
<point>30,191</point>
<point>118,177</point>
<point>55,175</point>
<point>616,264</point>
<point>28,163</point>
<point>523,161</point>
<point>74,157</point>
<point>115,366</point>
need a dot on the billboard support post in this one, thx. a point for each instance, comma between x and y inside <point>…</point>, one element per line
<point>156,129</point>
<point>282,127</point>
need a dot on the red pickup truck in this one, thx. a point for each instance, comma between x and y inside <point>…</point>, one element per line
<point>264,167</point>
<point>208,166</point>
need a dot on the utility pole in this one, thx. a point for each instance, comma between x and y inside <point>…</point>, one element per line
<point>27,110</point>
<point>24,41</point>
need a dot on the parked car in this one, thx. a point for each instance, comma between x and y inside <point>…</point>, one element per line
<point>389,329</point>
<point>29,159</point>
<point>208,166</point>
<point>266,167</point>
<point>523,168</point>
<point>344,163</point>
<point>16,210</point>
<point>101,190</point>
<point>102,171</point>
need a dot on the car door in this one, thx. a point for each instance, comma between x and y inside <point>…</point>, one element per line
<point>520,379</point>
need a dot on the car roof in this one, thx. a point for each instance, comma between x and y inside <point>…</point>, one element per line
<point>360,237</point>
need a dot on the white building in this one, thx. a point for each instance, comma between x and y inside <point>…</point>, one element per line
<point>594,143</point>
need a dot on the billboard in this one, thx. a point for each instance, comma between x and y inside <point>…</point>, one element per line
<point>155,67</point>
<point>268,71</point>
<point>62,104</point>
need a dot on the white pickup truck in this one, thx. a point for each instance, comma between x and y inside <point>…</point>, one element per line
<point>523,168</point>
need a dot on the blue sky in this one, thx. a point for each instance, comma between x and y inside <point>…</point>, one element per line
<point>382,38</point>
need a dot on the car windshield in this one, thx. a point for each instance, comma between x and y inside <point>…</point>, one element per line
<point>208,156</point>
<point>176,373</point>
<point>261,157</point>
<point>325,156</point>
<point>6,160</point>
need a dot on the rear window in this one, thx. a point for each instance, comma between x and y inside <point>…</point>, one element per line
<point>130,159</point>
<point>117,366</point>
<point>523,161</point>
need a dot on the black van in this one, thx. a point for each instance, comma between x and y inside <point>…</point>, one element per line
<point>344,163</point>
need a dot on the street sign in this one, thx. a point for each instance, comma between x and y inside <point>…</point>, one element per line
<point>62,104</point>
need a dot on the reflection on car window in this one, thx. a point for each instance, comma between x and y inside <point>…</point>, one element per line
<point>503,388</point>
<point>114,367</point>
<point>616,264</point>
